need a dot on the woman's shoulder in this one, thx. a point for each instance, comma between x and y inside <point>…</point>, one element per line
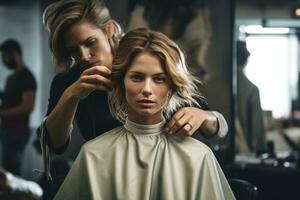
<point>191,146</point>
<point>103,141</point>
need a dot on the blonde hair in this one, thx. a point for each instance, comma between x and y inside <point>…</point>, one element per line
<point>59,16</point>
<point>183,84</point>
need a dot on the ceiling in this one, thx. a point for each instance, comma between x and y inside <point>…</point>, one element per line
<point>269,3</point>
<point>272,13</point>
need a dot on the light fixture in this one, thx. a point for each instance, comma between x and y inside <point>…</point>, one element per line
<point>258,29</point>
<point>295,12</point>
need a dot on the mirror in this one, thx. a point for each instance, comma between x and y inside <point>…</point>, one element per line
<point>267,72</point>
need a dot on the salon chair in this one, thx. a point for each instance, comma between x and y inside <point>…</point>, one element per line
<point>243,190</point>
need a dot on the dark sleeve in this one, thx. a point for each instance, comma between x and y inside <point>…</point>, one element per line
<point>60,84</point>
<point>57,88</point>
<point>202,104</point>
<point>28,82</point>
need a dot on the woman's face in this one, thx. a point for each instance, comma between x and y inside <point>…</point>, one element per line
<point>88,45</point>
<point>146,89</point>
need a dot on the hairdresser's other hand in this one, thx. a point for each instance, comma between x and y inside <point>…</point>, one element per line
<point>94,78</point>
<point>189,119</point>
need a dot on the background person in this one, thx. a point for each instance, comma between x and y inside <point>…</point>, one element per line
<point>249,111</point>
<point>17,103</point>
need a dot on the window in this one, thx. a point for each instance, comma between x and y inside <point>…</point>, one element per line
<point>272,67</point>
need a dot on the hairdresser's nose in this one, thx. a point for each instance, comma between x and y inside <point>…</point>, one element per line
<point>84,54</point>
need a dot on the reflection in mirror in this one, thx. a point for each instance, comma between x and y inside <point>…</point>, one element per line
<point>267,128</point>
<point>267,100</point>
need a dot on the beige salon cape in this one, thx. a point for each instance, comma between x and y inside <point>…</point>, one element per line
<point>140,162</point>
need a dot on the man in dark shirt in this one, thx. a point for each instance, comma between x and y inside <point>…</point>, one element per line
<point>17,103</point>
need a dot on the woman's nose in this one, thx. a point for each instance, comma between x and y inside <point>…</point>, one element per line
<point>147,90</point>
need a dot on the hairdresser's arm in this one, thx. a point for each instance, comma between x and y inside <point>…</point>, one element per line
<point>189,119</point>
<point>59,120</point>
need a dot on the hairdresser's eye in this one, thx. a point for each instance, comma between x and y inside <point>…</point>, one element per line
<point>90,43</point>
<point>136,77</point>
<point>160,78</point>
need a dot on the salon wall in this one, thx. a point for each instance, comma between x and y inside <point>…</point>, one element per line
<point>218,88</point>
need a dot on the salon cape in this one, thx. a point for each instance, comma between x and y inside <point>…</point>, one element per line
<point>140,162</point>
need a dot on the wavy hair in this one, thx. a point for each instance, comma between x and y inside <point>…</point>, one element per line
<point>59,16</point>
<point>184,88</point>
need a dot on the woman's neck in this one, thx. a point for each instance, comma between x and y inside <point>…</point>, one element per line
<point>146,120</point>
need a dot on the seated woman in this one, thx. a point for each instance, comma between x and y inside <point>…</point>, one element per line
<point>138,161</point>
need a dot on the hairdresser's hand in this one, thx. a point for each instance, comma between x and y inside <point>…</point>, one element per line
<point>187,120</point>
<point>94,78</point>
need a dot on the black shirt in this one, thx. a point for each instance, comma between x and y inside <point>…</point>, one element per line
<point>16,84</point>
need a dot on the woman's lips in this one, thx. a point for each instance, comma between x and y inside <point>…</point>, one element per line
<point>146,103</point>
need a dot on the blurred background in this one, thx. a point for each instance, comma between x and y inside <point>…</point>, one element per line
<point>207,30</point>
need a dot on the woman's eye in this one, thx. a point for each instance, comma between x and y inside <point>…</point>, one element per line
<point>136,77</point>
<point>160,79</point>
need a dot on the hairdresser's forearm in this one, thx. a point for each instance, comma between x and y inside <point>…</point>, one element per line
<point>215,124</point>
<point>59,121</point>
<point>210,126</point>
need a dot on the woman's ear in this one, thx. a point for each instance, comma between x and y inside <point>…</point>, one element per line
<point>170,93</point>
<point>110,29</point>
